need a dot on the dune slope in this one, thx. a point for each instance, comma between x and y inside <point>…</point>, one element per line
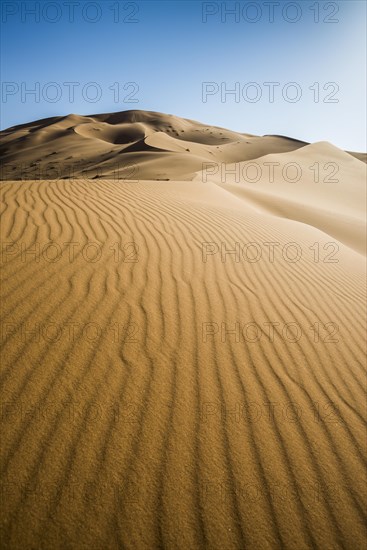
<point>183,362</point>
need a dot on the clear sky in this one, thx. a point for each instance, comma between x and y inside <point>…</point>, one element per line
<point>184,57</point>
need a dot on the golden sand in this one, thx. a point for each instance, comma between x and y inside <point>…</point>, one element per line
<point>183,361</point>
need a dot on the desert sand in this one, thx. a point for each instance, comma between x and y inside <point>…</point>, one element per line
<point>183,350</point>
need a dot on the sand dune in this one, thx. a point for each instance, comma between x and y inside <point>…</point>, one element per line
<point>159,391</point>
<point>102,144</point>
<point>319,185</point>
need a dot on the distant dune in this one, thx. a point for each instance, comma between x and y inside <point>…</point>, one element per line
<point>183,361</point>
<point>149,145</point>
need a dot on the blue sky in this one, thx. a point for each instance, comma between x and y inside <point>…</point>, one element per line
<point>159,55</point>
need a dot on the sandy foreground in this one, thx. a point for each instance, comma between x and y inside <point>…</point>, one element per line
<point>183,358</point>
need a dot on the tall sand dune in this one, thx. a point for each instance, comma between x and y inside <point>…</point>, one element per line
<point>102,144</point>
<point>183,361</point>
